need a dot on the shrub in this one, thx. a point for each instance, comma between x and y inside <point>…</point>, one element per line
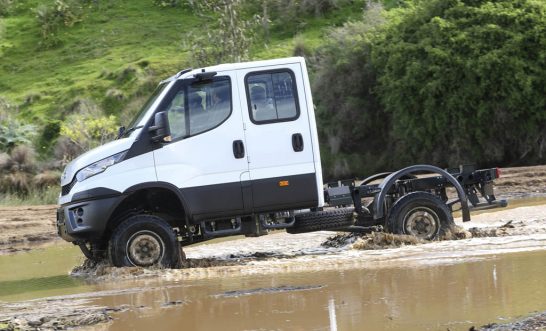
<point>229,40</point>
<point>5,7</point>
<point>46,179</point>
<point>14,132</point>
<point>289,15</point>
<point>22,159</point>
<point>51,18</point>
<point>464,81</point>
<point>353,126</point>
<point>88,130</point>
<point>66,150</point>
<point>16,182</point>
<point>4,161</point>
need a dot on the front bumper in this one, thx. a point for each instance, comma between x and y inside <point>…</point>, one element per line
<point>85,220</point>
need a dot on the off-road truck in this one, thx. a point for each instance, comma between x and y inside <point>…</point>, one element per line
<point>233,150</point>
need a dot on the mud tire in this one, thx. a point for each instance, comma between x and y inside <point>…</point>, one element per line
<point>322,220</point>
<point>165,252</point>
<point>425,208</point>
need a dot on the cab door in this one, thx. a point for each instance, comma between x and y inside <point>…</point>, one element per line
<point>278,137</point>
<point>206,157</point>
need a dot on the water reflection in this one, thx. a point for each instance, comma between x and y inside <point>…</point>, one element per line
<point>433,297</point>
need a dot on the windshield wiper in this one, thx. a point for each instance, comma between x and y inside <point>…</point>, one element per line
<point>124,133</point>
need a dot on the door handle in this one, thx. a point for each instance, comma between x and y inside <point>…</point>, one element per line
<point>238,149</point>
<point>297,142</point>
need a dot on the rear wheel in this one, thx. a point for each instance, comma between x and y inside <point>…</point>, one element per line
<point>420,214</point>
<point>144,241</point>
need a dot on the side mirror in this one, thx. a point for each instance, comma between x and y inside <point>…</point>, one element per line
<point>160,128</point>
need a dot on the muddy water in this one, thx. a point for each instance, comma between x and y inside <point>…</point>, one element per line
<point>39,273</point>
<point>435,297</point>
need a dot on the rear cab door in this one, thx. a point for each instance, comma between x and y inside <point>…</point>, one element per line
<point>278,133</point>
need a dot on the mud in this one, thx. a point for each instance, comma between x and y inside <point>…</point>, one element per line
<point>521,229</point>
<point>52,314</point>
<point>521,182</point>
<point>23,228</point>
<point>27,227</point>
<point>530,323</point>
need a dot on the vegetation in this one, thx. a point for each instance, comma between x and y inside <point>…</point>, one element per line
<point>439,81</point>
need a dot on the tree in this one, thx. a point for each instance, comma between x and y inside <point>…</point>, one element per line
<point>463,81</point>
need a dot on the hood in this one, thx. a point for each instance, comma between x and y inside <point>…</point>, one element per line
<point>94,155</point>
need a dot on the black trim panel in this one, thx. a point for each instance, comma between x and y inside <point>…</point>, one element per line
<point>213,201</point>
<point>244,198</point>
<point>94,193</point>
<point>85,220</point>
<point>269,195</point>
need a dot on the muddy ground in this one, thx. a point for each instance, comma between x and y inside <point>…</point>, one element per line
<point>26,227</point>
<point>502,230</point>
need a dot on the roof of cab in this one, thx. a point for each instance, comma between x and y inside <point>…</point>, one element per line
<point>234,66</point>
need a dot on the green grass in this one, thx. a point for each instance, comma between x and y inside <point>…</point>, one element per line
<point>110,38</point>
<point>36,196</point>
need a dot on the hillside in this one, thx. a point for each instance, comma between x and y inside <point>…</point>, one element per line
<point>115,50</point>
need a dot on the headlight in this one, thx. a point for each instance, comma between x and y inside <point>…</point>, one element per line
<point>99,166</point>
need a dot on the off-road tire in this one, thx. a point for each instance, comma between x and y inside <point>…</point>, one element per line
<point>144,229</point>
<point>423,207</point>
<point>322,220</point>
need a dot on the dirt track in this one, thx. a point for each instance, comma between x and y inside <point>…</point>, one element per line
<point>25,227</point>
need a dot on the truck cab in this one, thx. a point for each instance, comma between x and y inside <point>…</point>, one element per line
<point>211,148</point>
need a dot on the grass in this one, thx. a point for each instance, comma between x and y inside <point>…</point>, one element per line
<point>109,39</point>
<point>46,196</point>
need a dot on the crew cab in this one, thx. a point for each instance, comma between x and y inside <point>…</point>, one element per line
<point>233,149</point>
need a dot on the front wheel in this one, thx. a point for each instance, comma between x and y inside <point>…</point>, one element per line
<point>144,241</point>
<point>420,214</point>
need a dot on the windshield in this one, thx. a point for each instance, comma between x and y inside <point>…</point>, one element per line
<point>146,106</point>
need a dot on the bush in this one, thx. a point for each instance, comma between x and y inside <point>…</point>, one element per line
<point>5,7</point>
<point>441,82</point>
<point>353,126</point>
<point>463,81</point>
<point>46,179</point>
<point>229,40</point>
<point>14,132</point>
<point>289,15</point>
<point>87,129</point>
<point>17,169</point>
<point>66,150</point>
<point>51,18</point>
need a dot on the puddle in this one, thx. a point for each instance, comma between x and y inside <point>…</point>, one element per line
<point>39,273</point>
<point>294,282</point>
<point>465,293</point>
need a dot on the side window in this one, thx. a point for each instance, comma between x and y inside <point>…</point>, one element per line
<point>199,107</point>
<point>272,96</point>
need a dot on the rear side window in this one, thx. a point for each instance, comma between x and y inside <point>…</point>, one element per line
<point>272,96</point>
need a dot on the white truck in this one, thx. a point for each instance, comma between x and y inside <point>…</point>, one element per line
<point>233,150</point>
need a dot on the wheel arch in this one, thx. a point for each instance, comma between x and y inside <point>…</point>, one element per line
<point>388,182</point>
<point>139,196</point>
